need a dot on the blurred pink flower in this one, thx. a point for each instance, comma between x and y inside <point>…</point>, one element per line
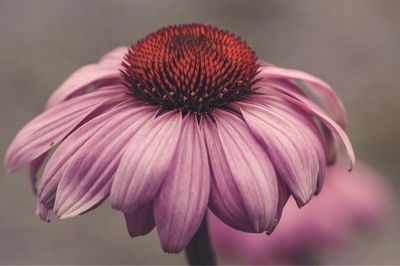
<point>186,119</point>
<point>349,201</point>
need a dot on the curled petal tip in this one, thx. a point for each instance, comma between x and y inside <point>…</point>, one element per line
<point>302,202</point>
<point>58,214</point>
<point>42,212</point>
<point>136,235</point>
<point>65,216</point>
<point>47,220</point>
<point>352,163</point>
<point>44,219</point>
<point>272,228</point>
<point>171,250</point>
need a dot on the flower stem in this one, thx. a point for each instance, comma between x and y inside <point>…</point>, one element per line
<point>199,251</point>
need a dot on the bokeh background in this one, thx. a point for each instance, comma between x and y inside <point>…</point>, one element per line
<point>352,44</point>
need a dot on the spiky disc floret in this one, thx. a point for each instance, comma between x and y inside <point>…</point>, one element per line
<point>190,67</point>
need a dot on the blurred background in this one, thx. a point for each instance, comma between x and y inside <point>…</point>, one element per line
<point>352,44</point>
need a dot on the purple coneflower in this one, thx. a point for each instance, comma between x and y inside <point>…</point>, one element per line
<point>348,204</point>
<point>186,119</point>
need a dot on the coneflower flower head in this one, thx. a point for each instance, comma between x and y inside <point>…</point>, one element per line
<point>191,68</point>
<point>186,119</point>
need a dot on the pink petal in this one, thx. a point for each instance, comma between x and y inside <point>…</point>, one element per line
<point>284,194</point>
<point>225,198</point>
<point>49,128</point>
<point>114,57</point>
<point>88,177</point>
<point>251,172</point>
<point>181,203</point>
<point>145,162</point>
<point>330,145</point>
<point>335,129</point>
<point>59,161</point>
<point>141,221</point>
<point>290,144</point>
<point>34,168</point>
<point>42,212</point>
<point>318,87</point>
<point>321,134</point>
<point>311,109</point>
<point>86,79</point>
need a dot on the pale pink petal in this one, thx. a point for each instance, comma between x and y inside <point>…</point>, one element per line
<point>146,160</point>
<point>140,222</point>
<point>325,94</point>
<point>49,128</point>
<point>88,177</point>
<point>329,221</point>
<point>225,198</point>
<point>34,168</point>
<point>115,56</point>
<point>310,108</point>
<point>84,80</point>
<point>330,145</point>
<point>42,212</point>
<point>290,144</point>
<point>315,110</point>
<point>59,161</point>
<point>284,194</point>
<point>251,171</point>
<point>181,204</point>
<point>311,126</point>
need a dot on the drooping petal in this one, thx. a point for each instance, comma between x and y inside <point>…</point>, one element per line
<point>313,110</point>
<point>330,145</point>
<point>290,144</point>
<point>319,133</point>
<point>114,57</point>
<point>87,179</point>
<point>146,160</point>
<point>49,128</point>
<point>42,212</point>
<point>34,168</point>
<point>250,170</point>
<point>59,161</point>
<point>284,194</point>
<point>181,203</point>
<point>225,198</point>
<point>140,222</point>
<point>335,129</point>
<point>86,79</point>
<point>325,94</point>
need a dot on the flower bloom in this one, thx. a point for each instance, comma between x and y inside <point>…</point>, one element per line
<point>186,119</point>
<point>348,202</point>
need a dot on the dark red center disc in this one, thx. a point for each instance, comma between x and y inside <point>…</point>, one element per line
<point>190,67</point>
